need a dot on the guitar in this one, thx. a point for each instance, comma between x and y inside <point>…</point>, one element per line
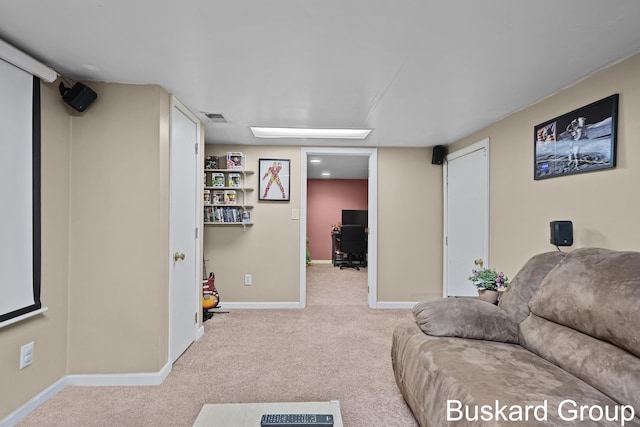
<point>210,295</point>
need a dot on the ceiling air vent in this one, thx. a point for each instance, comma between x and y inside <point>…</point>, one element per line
<point>216,117</point>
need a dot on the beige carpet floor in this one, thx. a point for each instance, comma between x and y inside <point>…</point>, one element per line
<point>335,348</point>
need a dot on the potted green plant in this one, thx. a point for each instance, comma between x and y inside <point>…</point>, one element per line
<point>488,282</point>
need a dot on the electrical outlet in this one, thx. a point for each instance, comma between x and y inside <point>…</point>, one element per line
<point>248,280</point>
<point>26,355</point>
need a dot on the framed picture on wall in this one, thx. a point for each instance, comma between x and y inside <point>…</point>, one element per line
<point>275,179</point>
<point>582,140</point>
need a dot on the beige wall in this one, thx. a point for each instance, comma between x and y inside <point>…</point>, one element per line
<point>118,279</point>
<point>48,331</point>
<point>604,205</point>
<point>409,225</point>
<point>270,249</point>
<point>105,243</point>
<point>409,230</point>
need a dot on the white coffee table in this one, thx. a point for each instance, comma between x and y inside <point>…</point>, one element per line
<point>249,414</point>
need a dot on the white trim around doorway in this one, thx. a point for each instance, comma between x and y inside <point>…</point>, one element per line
<point>372,263</point>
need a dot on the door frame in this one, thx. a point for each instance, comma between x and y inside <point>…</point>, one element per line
<point>483,144</point>
<point>175,104</point>
<point>372,183</point>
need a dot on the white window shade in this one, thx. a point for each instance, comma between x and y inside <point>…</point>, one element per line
<point>19,211</point>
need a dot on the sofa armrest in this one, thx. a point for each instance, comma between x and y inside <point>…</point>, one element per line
<point>466,318</point>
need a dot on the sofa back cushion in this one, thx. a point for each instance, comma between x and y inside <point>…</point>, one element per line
<point>524,284</point>
<point>597,292</point>
<point>584,318</point>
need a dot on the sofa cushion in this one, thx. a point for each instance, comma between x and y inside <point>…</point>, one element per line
<point>597,292</point>
<point>465,318</point>
<point>430,371</point>
<point>613,371</point>
<point>524,284</point>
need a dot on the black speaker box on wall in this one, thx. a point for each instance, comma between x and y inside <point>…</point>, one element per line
<point>79,97</point>
<point>561,233</point>
<point>438,155</point>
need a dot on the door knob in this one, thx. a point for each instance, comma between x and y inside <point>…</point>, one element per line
<point>178,256</point>
<point>478,262</point>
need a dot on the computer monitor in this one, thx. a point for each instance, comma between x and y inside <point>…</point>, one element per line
<point>357,217</point>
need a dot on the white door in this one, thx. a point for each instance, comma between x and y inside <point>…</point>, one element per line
<point>466,216</point>
<point>184,262</point>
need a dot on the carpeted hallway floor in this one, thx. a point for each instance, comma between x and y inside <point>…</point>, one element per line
<point>335,348</point>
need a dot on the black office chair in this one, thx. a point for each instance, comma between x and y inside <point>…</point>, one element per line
<point>352,243</point>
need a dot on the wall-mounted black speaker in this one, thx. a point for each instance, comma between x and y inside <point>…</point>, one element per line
<point>79,97</point>
<point>438,155</point>
<point>561,233</point>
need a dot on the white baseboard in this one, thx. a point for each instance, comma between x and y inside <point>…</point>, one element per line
<point>275,305</point>
<point>321,261</point>
<point>395,304</point>
<point>16,416</point>
<point>142,379</point>
<point>147,378</point>
<point>259,305</point>
<point>199,332</point>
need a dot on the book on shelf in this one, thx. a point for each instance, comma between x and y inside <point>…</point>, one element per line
<point>235,180</point>
<point>217,179</point>
<point>224,214</point>
<point>208,214</point>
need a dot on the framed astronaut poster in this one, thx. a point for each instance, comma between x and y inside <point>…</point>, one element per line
<point>583,140</point>
<point>275,179</point>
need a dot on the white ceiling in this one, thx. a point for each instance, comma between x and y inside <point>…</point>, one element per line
<point>418,72</point>
<point>338,166</point>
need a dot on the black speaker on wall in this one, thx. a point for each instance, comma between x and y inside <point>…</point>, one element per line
<point>561,233</point>
<point>79,96</point>
<point>438,155</point>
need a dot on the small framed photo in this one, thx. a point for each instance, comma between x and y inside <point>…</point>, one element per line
<point>275,179</point>
<point>582,140</point>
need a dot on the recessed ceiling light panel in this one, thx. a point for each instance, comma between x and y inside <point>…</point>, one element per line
<point>266,132</point>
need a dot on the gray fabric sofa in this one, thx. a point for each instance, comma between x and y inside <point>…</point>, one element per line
<point>562,348</point>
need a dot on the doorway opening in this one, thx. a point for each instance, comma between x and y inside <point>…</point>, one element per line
<point>372,189</point>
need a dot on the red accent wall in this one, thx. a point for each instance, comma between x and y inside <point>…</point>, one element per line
<point>325,200</point>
